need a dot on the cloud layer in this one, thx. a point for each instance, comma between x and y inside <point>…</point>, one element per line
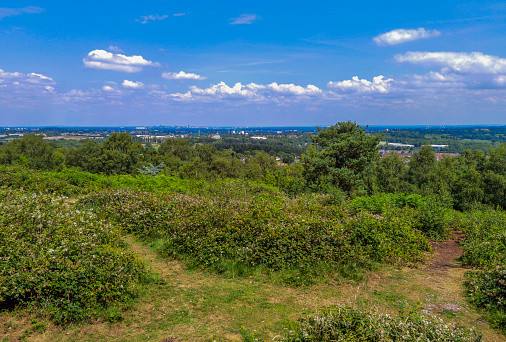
<point>400,36</point>
<point>101,59</point>
<point>244,19</point>
<point>144,19</point>
<point>182,76</point>
<point>11,12</point>
<point>458,62</point>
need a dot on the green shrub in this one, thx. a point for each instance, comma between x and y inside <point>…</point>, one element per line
<point>485,237</point>
<point>346,324</point>
<point>60,261</point>
<point>430,214</point>
<point>228,230</point>
<point>376,204</point>
<point>433,218</point>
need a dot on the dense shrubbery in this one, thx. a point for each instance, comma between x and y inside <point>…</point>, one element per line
<point>266,230</point>
<point>71,182</point>
<point>347,324</point>
<point>60,261</point>
<point>485,249</point>
<point>429,213</point>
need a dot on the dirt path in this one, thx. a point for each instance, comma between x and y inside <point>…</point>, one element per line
<point>445,255</point>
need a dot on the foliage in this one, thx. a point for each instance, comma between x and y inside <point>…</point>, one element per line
<point>264,230</point>
<point>349,324</point>
<point>430,215</point>
<point>62,262</point>
<point>347,154</point>
<point>485,237</point>
<point>376,204</point>
<point>30,151</point>
<point>485,249</point>
<point>70,182</point>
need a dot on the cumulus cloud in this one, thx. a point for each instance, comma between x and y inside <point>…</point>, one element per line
<point>379,84</point>
<point>182,76</point>
<point>251,91</point>
<point>222,89</point>
<point>400,36</point>
<point>132,84</point>
<point>31,78</point>
<point>101,59</point>
<point>244,19</point>
<point>144,19</point>
<point>11,12</point>
<point>287,89</point>
<point>19,90</point>
<point>108,88</point>
<point>458,62</point>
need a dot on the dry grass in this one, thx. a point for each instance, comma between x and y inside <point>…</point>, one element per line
<point>199,306</point>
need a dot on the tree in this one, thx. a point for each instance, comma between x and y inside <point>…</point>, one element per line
<point>422,167</point>
<point>30,150</point>
<point>347,155</point>
<point>390,174</point>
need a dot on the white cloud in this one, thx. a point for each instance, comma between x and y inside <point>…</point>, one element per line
<point>431,81</point>
<point>19,78</point>
<point>147,18</point>
<point>400,36</point>
<point>500,80</point>
<point>132,84</point>
<point>101,59</point>
<point>251,91</point>
<point>458,62</point>
<point>287,89</point>
<point>108,88</point>
<point>378,85</point>
<point>10,12</point>
<point>221,89</point>
<point>116,49</point>
<point>244,19</point>
<point>182,76</point>
<point>179,14</point>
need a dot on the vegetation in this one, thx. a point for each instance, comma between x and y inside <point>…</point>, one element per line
<point>60,261</point>
<point>337,215</point>
<point>350,324</point>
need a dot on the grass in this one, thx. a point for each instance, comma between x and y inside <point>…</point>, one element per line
<point>193,305</point>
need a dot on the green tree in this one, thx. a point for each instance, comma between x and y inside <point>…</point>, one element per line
<point>30,150</point>
<point>422,167</point>
<point>390,175</point>
<point>87,157</point>
<point>345,160</point>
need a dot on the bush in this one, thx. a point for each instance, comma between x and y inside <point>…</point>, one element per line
<point>376,204</point>
<point>60,261</point>
<point>348,324</point>
<point>485,237</point>
<point>431,216</point>
<point>265,231</point>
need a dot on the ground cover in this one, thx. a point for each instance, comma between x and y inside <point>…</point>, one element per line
<point>231,255</point>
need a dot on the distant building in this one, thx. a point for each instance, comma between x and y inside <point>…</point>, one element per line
<point>216,136</point>
<point>400,145</point>
<point>259,138</point>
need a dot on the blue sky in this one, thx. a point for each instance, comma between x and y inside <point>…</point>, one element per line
<point>261,63</point>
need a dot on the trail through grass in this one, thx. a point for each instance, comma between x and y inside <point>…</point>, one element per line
<point>190,305</point>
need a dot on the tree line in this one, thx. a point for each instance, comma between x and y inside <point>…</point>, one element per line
<point>342,160</point>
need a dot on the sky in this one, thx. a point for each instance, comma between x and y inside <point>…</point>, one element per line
<point>258,63</point>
